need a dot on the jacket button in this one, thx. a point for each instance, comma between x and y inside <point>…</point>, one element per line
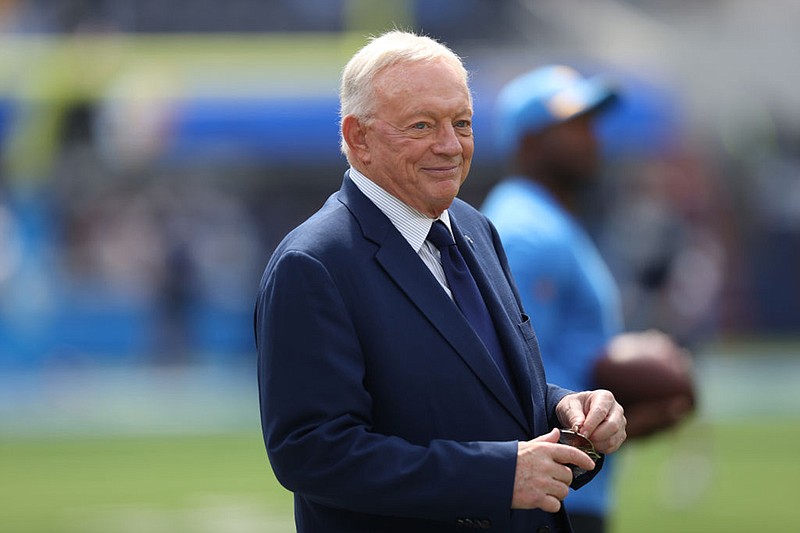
<point>543,529</point>
<point>473,523</point>
<point>465,523</point>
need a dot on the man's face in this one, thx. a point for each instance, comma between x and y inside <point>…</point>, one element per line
<point>419,141</point>
<point>571,151</point>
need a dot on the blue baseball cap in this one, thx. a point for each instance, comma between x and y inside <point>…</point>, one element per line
<point>548,95</point>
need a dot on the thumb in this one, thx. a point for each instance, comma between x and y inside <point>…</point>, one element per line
<point>549,437</point>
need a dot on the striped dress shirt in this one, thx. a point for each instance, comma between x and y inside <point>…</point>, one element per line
<point>412,225</point>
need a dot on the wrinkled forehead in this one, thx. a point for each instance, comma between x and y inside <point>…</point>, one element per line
<point>408,80</point>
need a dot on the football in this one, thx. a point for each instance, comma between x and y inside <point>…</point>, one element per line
<point>651,377</point>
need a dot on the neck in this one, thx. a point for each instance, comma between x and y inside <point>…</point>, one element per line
<point>567,196</point>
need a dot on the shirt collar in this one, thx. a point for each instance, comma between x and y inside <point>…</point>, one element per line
<point>412,224</point>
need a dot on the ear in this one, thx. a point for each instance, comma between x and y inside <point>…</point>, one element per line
<point>354,134</point>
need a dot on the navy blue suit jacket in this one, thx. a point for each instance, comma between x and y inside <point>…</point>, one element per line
<point>381,409</point>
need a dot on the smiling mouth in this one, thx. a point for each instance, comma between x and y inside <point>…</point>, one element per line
<point>441,170</point>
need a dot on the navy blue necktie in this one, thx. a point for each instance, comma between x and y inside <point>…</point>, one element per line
<point>466,293</point>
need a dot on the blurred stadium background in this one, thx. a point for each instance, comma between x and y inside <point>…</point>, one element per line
<point>153,153</point>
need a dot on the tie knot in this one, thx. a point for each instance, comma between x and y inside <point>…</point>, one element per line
<point>439,235</point>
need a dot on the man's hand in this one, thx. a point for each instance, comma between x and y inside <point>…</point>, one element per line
<point>597,415</point>
<point>542,477</point>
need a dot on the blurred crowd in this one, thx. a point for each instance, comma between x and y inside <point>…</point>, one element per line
<point>160,261</point>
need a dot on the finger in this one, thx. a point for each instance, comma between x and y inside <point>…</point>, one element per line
<point>549,437</point>
<point>568,455</point>
<point>611,444</point>
<point>600,404</point>
<point>559,489</point>
<point>610,435</point>
<point>564,476</point>
<point>596,416</point>
<point>611,424</point>
<point>550,504</point>
<point>572,415</point>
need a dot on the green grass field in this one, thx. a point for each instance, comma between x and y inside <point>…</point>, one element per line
<point>193,483</point>
<point>728,477</point>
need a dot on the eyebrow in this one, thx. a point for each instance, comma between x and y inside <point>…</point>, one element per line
<point>419,112</point>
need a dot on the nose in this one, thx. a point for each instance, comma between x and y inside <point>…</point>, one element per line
<point>447,141</point>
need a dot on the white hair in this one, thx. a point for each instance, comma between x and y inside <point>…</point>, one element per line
<point>356,93</point>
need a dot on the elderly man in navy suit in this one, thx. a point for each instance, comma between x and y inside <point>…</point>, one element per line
<point>400,382</point>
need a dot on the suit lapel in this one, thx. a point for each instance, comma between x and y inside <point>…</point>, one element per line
<point>505,325</point>
<point>406,269</point>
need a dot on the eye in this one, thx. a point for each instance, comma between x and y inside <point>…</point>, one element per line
<point>419,125</point>
<point>462,124</point>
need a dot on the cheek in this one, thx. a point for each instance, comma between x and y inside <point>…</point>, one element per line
<point>467,165</point>
<point>468,147</point>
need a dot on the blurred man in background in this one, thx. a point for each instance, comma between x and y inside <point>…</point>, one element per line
<point>400,383</point>
<point>546,128</point>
